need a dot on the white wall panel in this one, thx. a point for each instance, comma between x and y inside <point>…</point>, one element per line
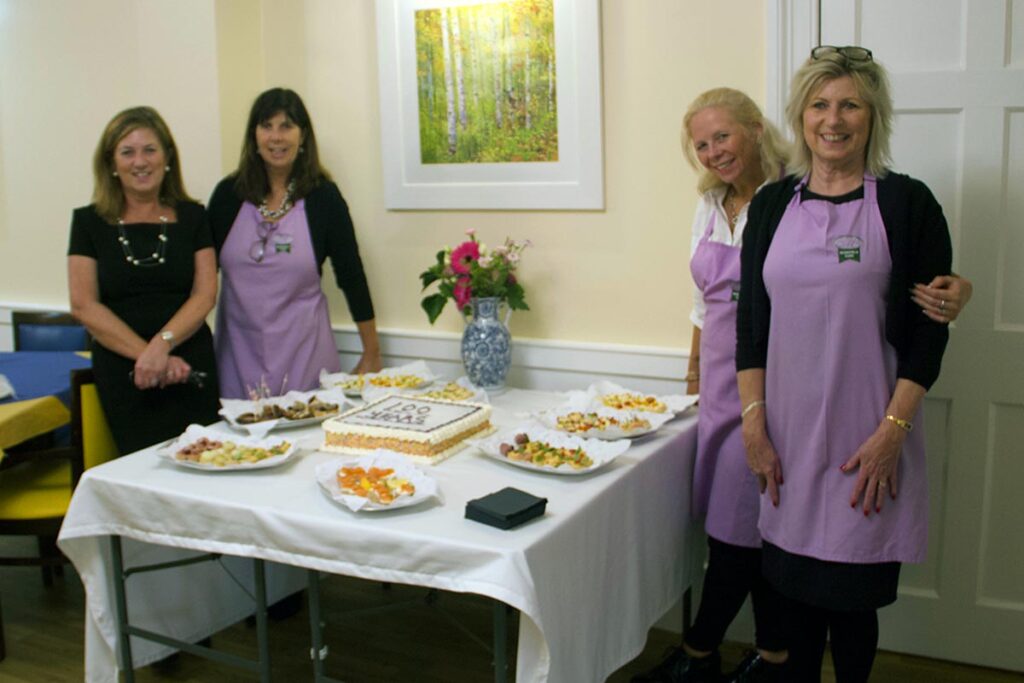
<point>1010,293</point>
<point>1015,33</point>
<point>937,25</point>
<point>1002,544</point>
<point>928,145</point>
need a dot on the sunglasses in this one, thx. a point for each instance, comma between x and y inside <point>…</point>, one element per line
<point>259,248</point>
<point>851,53</point>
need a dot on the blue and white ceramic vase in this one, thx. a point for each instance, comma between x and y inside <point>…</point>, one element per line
<point>487,344</point>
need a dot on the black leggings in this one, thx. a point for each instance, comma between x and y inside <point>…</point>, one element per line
<point>854,639</point>
<point>733,572</point>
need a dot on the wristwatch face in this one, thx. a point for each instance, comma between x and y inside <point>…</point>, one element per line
<point>167,336</point>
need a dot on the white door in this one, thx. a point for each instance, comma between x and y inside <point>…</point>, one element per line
<point>957,72</point>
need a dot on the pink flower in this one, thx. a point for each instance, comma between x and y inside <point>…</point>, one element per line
<point>470,231</point>
<point>462,292</point>
<point>463,255</point>
<point>511,279</point>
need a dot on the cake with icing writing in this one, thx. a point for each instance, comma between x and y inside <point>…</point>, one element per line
<point>424,429</point>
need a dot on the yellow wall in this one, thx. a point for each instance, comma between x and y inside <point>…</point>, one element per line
<point>614,276</point>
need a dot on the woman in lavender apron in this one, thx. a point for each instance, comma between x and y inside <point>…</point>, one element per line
<point>274,222</point>
<point>834,359</point>
<point>728,139</point>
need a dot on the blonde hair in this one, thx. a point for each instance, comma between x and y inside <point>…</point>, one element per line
<point>872,84</point>
<point>107,193</point>
<point>772,148</point>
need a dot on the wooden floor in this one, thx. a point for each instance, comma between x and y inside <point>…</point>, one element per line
<point>419,643</point>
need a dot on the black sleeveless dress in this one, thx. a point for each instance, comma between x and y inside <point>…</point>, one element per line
<point>145,298</point>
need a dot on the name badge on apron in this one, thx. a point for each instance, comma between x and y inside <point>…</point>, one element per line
<point>735,293</point>
<point>848,248</point>
<point>282,244</point>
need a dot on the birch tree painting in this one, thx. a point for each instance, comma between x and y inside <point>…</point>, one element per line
<point>486,83</point>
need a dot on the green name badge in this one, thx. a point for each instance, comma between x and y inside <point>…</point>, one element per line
<point>283,248</point>
<point>848,248</point>
<point>849,254</point>
<point>735,294</point>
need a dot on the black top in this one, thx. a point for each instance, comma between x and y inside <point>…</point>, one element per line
<point>331,231</point>
<point>919,247</point>
<point>145,299</point>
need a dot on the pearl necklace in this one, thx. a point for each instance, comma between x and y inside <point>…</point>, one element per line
<point>286,205</point>
<point>156,258</point>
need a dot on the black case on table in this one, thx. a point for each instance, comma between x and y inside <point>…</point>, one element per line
<point>506,508</point>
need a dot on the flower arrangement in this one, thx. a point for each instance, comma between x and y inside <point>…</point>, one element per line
<point>472,270</point>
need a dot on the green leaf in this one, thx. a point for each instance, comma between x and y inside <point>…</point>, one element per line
<point>516,297</point>
<point>428,277</point>
<point>433,305</point>
<point>440,258</point>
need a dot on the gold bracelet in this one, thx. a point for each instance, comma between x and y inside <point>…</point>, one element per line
<point>751,406</point>
<point>905,425</point>
<point>693,376</point>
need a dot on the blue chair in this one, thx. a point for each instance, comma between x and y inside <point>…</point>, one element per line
<point>48,331</point>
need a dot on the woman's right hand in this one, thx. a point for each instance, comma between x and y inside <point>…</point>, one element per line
<point>151,365</point>
<point>762,459</point>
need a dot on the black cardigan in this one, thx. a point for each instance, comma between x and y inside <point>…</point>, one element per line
<point>920,249</point>
<point>330,228</point>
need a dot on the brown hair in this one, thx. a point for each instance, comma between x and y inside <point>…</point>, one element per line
<point>251,181</point>
<point>107,194</point>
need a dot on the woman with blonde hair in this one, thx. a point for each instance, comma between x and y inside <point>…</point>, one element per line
<point>834,359</point>
<point>142,277</point>
<point>736,150</point>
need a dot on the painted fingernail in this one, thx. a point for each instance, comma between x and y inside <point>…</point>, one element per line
<point>867,513</point>
<point>842,468</point>
<point>877,510</point>
<point>853,504</point>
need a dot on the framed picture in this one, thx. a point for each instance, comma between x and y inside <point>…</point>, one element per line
<point>491,104</point>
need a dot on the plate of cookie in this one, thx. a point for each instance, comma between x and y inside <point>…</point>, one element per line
<point>293,409</point>
<point>413,375</point>
<point>382,480</point>
<point>603,423</point>
<point>203,448</point>
<point>610,395</point>
<point>460,390</point>
<point>541,449</point>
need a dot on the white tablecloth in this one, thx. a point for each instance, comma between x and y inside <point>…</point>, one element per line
<point>613,552</point>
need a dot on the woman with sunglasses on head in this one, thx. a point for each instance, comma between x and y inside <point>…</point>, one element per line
<point>834,357</point>
<point>142,277</point>
<point>275,220</point>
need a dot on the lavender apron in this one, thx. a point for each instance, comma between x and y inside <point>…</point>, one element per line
<point>273,325</point>
<point>829,378</point>
<point>723,486</point>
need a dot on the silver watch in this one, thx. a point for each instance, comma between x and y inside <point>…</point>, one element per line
<point>168,337</point>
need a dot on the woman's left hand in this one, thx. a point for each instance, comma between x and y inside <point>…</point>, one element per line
<point>876,462</point>
<point>368,362</point>
<point>943,298</point>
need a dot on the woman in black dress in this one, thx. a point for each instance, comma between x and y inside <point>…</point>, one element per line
<point>142,277</point>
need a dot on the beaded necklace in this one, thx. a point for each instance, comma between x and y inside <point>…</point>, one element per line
<point>286,205</point>
<point>156,258</point>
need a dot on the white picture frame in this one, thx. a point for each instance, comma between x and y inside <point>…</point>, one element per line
<point>574,182</point>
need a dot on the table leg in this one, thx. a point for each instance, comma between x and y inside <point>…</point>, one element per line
<point>500,642</point>
<point>687,610</point>
<point>318,652</point>
<point>262,635</point>
<point>121,609</point>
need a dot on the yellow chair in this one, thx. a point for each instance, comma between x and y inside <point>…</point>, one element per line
<point>35,491</point>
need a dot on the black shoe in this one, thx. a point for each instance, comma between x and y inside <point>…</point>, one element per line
<point>756,669</point>
<point>679,667</point>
